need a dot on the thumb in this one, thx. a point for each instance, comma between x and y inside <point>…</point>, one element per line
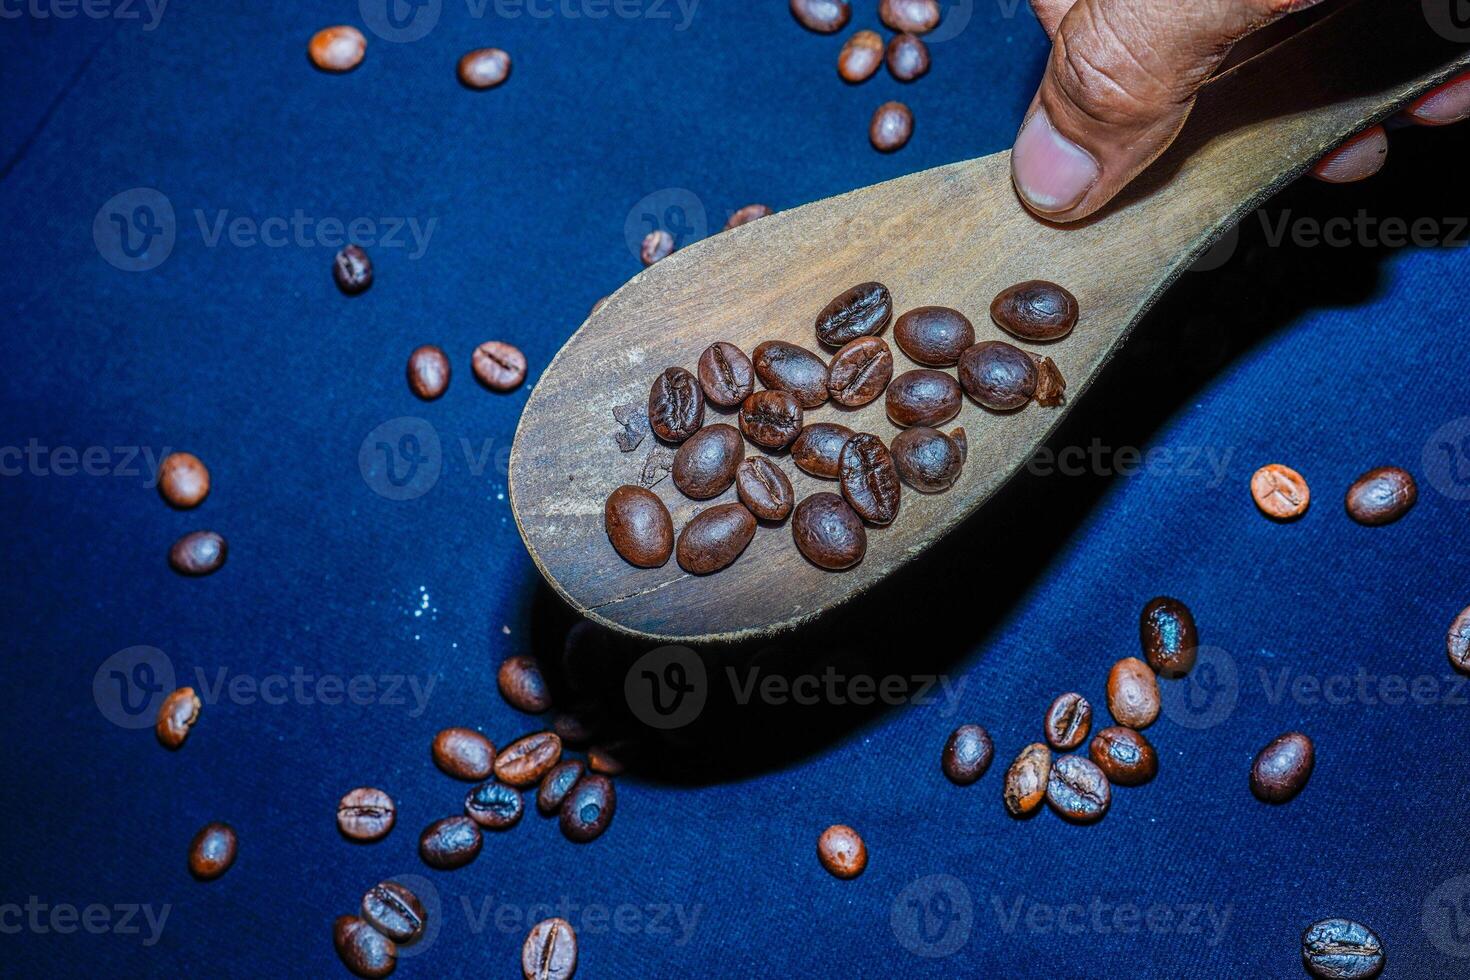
<point>1122,78</point>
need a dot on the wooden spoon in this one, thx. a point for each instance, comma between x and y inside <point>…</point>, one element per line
<point>954,236</point>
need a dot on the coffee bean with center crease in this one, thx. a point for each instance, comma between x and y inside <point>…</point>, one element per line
<point>484,68</point>
<point>352,270</point>
<point>1282,768</point>
<point>967,754</point>
<point>1026,779</point>
<point>828,532</point>
<point>198,553</point>
<point>934,336</point>
<point>908,57</point>
<point>1035,310</point>
<point>923,397</point>
<point>675,405</point>
<point>787,367</point>
<point>1280,492</point>
<point>862,311</point>
<point>764,489</point>
<point>771,419</point>
<point>639,526</point>
<point>550,951</point>
<point>212,851</point>
<point>494,806</point>
<point>1124,756</point>
<point>523,685</point>
<point>523,762</point>
<point>860,371</point>
<point>705,465</point>
<point>337,49</point>
<point>714,538</point>
<point>176,716</point>
<point>364,950</point>
<point>183,480</point>
<point>891,128</point>
<point>822,16</point>
<point>913,16</point>
<point>997,375</point>
<point>557,783</point>
<point>450,843</point>
<point>1341,949</point>
<point>1168,635</point>
<point>818,450</point>
<point>869,479</point>
<point>842,851</point>
<point>588,809</point>
<point>1133,693</point>
<point>860,56</point>
<point>1068,721</point>
<point>726,374</point>
<point>1457,641</point>
<point>394,911</point>
<point>428,372</point>
<point>1077,790</point>
<point>499,366</point>
<point>927,459</point>
<point>1381,496</point>
<point>366,814</point>
<point>463,753</point>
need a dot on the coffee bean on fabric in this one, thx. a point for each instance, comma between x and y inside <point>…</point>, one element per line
<point>1169,637</point>
<point>550,951</point>
<point>891,128</point>
<point>183,480</point>
<point>1124,756</point>
<point>911,16</point>
<point>394,911</point>
<point>366,814</point>
<point>176,717</point>
<point>463,753</point>
<point>1026,780</point>
<point>450,843</point>
<point>352,271</point>
<point>523,685</point>
<point>1282,768</point>
<point>494,806</point>
<point>1457,641</point>
<point>523,762</point>
<point>967,754</point>
<point>908,57</point>
<point>557,783</point>
<point>212,851</point>
<point>337,49</point>
<point>588,809</point>
<point>1068,721</point>
<point>842,851</point>
<point>484,68</point>
<point>365,951</point>
<point>1077,790</point>
<point>1381,496</point>
<point>860,57</point>
<point>1280,492</point>
<point>1341,949</point>
<point>198,553</point>
<point>1133,693</point>
<point>499,366</point>
<point>428,372</point>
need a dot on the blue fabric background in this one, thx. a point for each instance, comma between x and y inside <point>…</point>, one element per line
<point>1330,359</point>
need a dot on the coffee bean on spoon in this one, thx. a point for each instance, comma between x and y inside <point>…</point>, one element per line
<point>428,372</point>
<point>1035,310</point>
<point>352,270</point>
<point>891,128</point>
<point>967,754</point>
<point>705,464</point>
<point>997,375</point>
<point>860,371</point>
<point>198,553</point>
<point>860,57</point>
<point>1381,496</point>
<point>1133,693</point>
<point>1051,387</point>
<point>927,459</point>
<point>786,367</point>
<point>923,397</point>
<point>675,405</point>
<point>818,449</point>
<point>822,16</point>
<point>908,57</point>
<point>771,419</point>
<point>484,68</point>
<point>726,374</point>
<point>1282,768</point>
<point>862,311</point>
<point>1068,721</point>
<point>394,911</point>
<point>714,538</point>
<point>1124,756</point>
<point>523,685</point>
<point>639,526</point>
<point>913,16</point>
<point>499,366</point>
<point>934,336</point>
<point>869,480</point>
<point>828,532</point>
<point>366,814</point>
<point>1169,637</point>
<point>364,950</point>
<point>764,489</point>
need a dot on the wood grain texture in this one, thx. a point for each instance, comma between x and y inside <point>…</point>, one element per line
<point>953,236</point>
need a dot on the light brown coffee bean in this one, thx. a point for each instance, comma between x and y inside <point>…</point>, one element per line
<point>912,16</point>
<point>1133,693</point>
<point>484,68</point>
<point>1025,783</point>
<point>366,814</point>
<point>463,753</point>
<point>550,951</point>
<point>1124,756</point>
<point>1280,492</point>
<point>499,366</point>
<point>822,16</point>
<point>212,852</point>
<point>842,851</point>
<point>183,480</point>
<point>176,716</point>
<point>428,372</point>
<point>523,762</point>
<point>860,57</point>
<point>337,49</point>
<point>891,128</point>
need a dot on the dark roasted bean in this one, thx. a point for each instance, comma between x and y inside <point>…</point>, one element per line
<point>556,784</point>
<point>364,950</point>
<point>1035,310</point>
<point>522,684</point>
<point>862,311</point>
<point>366,814</point>
<point>499,366</point>
<point>967,754</point>
<point>450,843</point>
<point>600,759</point>
<point>1077,790</point>
<point>705,465</point>
<point>1068,721</point>
<point>176,716</point>
<point>394,911</point>
<point>198,553</point>
<point>891,128</point>
<point>675,405</point>
<point>747,214</point>
<point>352,270</point>
<point>337,49</point>
<point>860,371</point>
<point>860,56</point>
<point>577,727</point>
<point>771,419</point>
<point>764,489</point>
<point>726,374</point>
<point>1282,768</point>
<point>1280,492</point>
<point>1457,641</point>
<point>428,372</point>
<point>1051,387</point>
<point>1341,949</point>
<point>588,809</point>
<point>714,538</point>
<point>639,526</point>
<point>923,397</point>
<point>1025,784</point>
<point>829,532</point>
<point>927,459</point>
<point>550,951</point>
<point>1124,756</point>
<point>913,16</point>
<point>494,806</point>
<point>212,851</point>
<point>822,16</point>
<point>657,246</point>
<point>842,852</point>
<point>869,479</point>
<point>523,762</point>
<point>1133,693</point>
<point>183,480</point>
<point>908,57</point>
<point>787,367</point>
<point>463,753</point>
<point>484,68</point>
<point>997,375</point>
<point>818,450</point>
<point>1167,633</point>
<point>1381,496</point>
<point>934,336</point>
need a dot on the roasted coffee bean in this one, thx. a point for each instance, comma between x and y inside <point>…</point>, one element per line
<point>639,526</point>
<point>908,57</point>
<point>499,366</point>
<point>818,450</point>
<point>935,336</point>
<point>787,367</point>
<point>923,397</point>
<point>1133,693</point>
<point>176,716</point>
<point>337,49</point>
<point>714,538</point>
<point>1457,641</point>
<point>522,684</point>
<point>1381,496</point>
<point>967,754</point>
<point>588,809</point>
<point>1051,387</point>
<point>822,16</point>
<point>450,843</point>
<point>601,759</point>
<point>961,440</point>
<point>1026,779</point>
<point>1282,768</point>
<point>927,459</point>
<point>364,950</point>
<point>1035,310</point>
<point>657,246</point>
<point>183,480</point>
<point>484,68</point>
<point>463,753</point>
<point>428,372</point>
<point>860,56</point>
<point>1280,492</point>
<point>212,851</point>
<point>550,951</point>
<point>997,375</point>
<point>891,128</point>
<point>1341,949</point>
<point>764,489</point>
<point>675,405</point>
<point>394,911</point>
<point>198,553</point>
<point>726,374</point>
<point>352,270</point>
<point>577,727</point>
<point>842,851</point>
<point>705,465</point>
<point>913,16</point>
<point>1124,756</point>
<point>1170,640</point>
<point>747,214</point>
<point>1077,790</point>
<point>862,311</point>
<point>1068,721</point>
<point>771,419</point>
<point>860,371</point>
<point>494,806</point>
<point>556,784</point>
<point>523,762</point>
<point>828,532</point>
<point>869,479</point>
<point>366,814</point>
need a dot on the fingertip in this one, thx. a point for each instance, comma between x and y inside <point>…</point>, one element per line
<point>1052,174</point>
<point>1358,159</point>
